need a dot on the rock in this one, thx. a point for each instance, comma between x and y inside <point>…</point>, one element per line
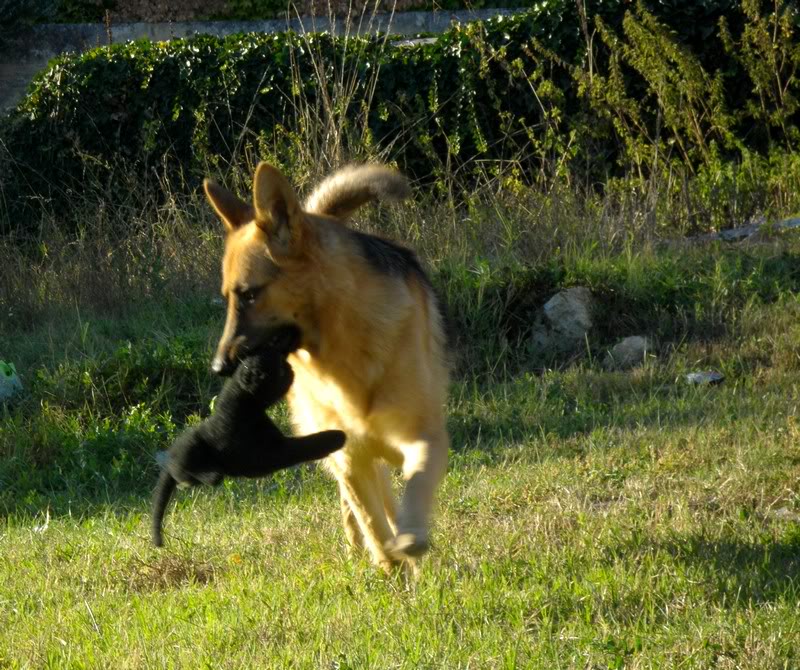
<point>707,377</point>
<point>563,323</point>
<point>10,385</point>
<point>755,231</point>
<point>788,224</point>
<point>784,514</point>
<point>628,353</point>
<point>569,312</point>
<point>737,234</point>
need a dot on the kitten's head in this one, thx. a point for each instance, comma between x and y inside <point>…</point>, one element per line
<point>266,374</point>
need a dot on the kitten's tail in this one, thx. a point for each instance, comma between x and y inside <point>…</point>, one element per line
<point>164,489</point>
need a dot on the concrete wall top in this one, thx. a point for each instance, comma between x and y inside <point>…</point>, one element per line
<point>23,57</point>
<point>43,42</point>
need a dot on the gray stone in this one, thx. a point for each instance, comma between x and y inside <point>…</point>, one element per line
<point>788,224</point>
<point>628,353</point>
<point>784,514</point>
<point>563,323</point>
<point>737,234</point>
<point>750,231</point>
<point>569,312</point>
<point>706,377</point>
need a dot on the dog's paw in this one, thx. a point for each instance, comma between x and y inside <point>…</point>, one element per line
<point>408,545</point>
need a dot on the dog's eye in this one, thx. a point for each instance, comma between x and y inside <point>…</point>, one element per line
<point>248,296</point>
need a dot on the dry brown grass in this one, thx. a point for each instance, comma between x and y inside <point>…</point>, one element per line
<point>115,258</point>
<point>166,572</point>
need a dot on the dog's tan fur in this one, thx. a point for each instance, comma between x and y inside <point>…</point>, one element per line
<point>372,362</point>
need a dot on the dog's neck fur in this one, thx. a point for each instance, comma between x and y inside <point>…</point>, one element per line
<point>347,301</point>
<point>323,368</point>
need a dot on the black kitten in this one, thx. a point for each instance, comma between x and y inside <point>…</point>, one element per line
<point>239,439</point>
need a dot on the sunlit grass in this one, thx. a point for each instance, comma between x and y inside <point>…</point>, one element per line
<point>589,519</point>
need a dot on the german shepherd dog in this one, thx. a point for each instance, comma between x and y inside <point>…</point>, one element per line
<point>372,361</point>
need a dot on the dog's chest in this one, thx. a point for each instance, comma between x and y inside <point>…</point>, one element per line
<point>321,399</point>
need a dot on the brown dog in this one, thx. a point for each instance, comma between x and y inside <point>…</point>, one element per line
<point>372,361</point>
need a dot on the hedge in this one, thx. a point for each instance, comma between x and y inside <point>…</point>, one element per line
<point>509,88</point>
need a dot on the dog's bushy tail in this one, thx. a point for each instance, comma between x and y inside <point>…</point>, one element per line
<point>343,192</point>
<point>164,489</point>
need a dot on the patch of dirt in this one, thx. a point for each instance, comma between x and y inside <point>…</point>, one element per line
<point>167,572</point>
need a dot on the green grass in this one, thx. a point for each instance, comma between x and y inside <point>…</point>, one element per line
<point>642,536</point>
<point>589,519</point>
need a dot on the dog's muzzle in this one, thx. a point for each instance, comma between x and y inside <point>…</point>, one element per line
<point>222,366</point>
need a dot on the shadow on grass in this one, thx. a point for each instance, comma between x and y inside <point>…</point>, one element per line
<point>562,417</point>
<point>113,465</point>
<point>107,417</point>
<point>689,295</point>
<point>132,494</point>
<point>738,572</point>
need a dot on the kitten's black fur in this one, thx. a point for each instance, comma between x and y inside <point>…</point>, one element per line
<point>239,439</point>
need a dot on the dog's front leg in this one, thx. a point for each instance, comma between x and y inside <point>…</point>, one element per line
<point>352,531</point>
<point>362,494</point>
<point>424,466</point>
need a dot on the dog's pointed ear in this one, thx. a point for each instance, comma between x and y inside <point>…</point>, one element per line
<point>233,211</point>
<point>278,212</point>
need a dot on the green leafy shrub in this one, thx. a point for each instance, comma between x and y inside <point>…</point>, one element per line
<point>544,94</point>
<point>191,103</point>
<point>101,420</point>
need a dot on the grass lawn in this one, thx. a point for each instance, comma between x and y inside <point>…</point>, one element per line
<point>590,519</point>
